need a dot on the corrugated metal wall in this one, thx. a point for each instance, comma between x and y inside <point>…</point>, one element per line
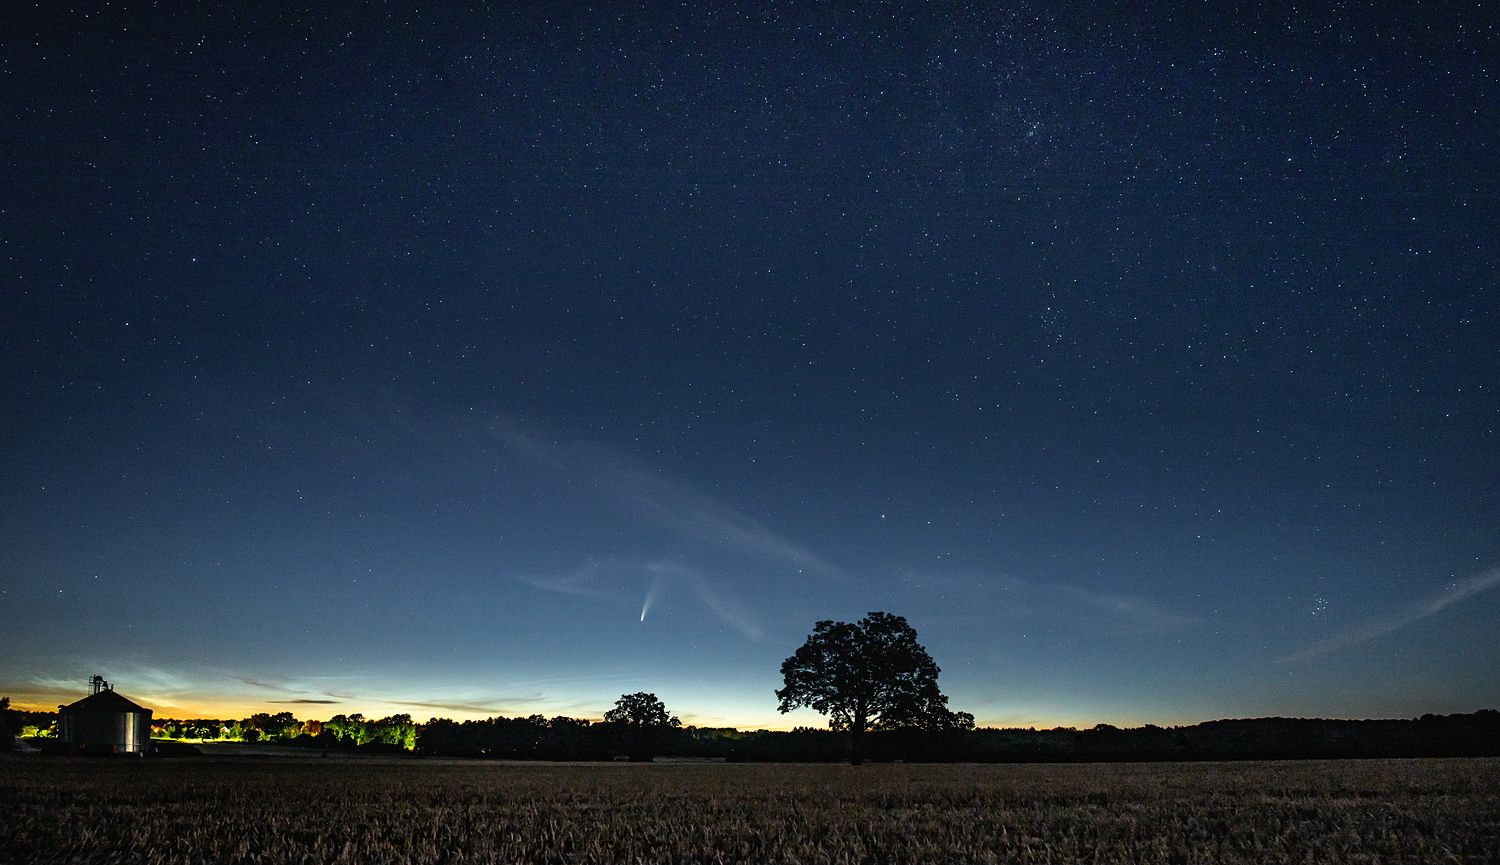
<point>126,732</point>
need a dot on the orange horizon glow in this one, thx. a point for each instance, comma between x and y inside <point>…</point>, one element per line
<point>235,710</point>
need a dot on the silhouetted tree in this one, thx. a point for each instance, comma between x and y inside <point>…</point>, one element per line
<point>351,727</point>
<point>395,730</point>
<point>278,726</point>
<point>8,726</point>
<point>642,709</point>
<point>869,675</point>
<point>640,726</point>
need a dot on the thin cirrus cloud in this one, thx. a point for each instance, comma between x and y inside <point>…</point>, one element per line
<point>479,708</point>
<point>1111,613</point>
<point>261,683</point>
<point>659,501</point>
<point>1130,614</point>
<point>1433,605</point>
<point>727,607</point>
<point>165,686</point>
<point>596,580</point>
<point>584,580</point>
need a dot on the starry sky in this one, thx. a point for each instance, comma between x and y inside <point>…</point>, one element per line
<point>486,361</point>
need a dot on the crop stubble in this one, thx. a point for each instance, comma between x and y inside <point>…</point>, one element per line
<point>420,811</point>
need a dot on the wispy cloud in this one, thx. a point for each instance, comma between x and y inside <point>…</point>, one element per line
<point>296,690</point>
<point>612,581</point>
<point>1131,614</point>
<point>1433,605</point>
<point>486,707</point>
<point>727,607</point>
<point>53,685</point>
<point>1014,598</point>
<point>582,580</point>
<point>655,499</point>
<point>257,683</point>
<point>138,679</point>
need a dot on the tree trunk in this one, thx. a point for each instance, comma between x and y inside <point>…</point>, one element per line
<point>857,737</point>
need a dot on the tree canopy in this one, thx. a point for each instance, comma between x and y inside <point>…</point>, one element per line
<point>641,709</point>
<point>872,674</point>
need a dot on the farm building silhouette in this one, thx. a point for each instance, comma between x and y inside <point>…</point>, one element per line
<point>104,722</point>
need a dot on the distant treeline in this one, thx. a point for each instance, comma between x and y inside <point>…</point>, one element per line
<point>539,738</point>
<point>346,731</point>
<point>536,738</point>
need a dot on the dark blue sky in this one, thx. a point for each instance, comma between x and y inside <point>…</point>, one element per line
<point>501,362</point>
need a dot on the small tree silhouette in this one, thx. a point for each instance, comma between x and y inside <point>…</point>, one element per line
<point>641,709</point>
<point>641,725</point>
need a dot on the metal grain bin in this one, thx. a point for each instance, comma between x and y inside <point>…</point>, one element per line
<point>105,722</point>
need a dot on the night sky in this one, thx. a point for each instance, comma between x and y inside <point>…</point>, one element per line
<point>484,362</point>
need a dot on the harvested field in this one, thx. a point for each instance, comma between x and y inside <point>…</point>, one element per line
<point>240,810</point>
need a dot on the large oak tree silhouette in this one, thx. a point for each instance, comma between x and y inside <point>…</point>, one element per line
<point>870,675</point>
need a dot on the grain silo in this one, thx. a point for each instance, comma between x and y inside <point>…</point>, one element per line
<point>104,722</point>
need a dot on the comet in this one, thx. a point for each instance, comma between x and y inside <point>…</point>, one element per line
<point>651,594</point>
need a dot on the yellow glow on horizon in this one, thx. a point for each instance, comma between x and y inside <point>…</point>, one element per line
<point>226,707</point>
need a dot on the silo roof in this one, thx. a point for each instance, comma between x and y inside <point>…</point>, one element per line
<point>104,701</point>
